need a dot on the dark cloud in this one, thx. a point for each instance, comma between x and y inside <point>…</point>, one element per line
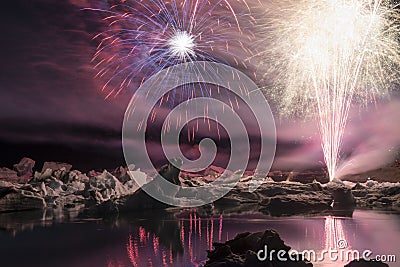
<point>48,94</point>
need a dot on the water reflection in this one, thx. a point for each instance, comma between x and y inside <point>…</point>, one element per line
<point>198,234</point>
<point>335,239</point>
<point>168,239</point>
<point>162,243</point>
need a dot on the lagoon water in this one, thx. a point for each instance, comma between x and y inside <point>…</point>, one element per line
<point>164,239</point>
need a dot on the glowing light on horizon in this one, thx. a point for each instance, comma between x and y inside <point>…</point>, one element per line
<point>323,54</point>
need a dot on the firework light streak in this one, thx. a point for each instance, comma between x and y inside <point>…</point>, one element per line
<point>145,37</point>
<point>323,54</point>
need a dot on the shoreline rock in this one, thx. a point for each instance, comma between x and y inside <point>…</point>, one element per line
<point>116,191</point>
<point>140,200</point>
<point>25,167</point>
<point>57,188</point>
<point>17,199</point>
<point>249,249</point>
<point>55,166</point>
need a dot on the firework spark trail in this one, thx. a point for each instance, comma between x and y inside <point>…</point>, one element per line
<point>145,37</point>
<point>323,54</point>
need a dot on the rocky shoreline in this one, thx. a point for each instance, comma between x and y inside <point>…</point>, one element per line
<point>58,186</point>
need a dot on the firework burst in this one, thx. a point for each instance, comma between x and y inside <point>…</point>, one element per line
<point>323,54</point>
<point>145,37</point>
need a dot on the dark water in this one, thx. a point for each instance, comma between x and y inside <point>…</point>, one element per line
<point>162,239</point>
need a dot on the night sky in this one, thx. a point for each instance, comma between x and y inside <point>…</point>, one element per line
<point>52,107</point>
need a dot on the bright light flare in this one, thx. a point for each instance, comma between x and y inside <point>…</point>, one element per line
<point>182,45</point>
<point>322,54</point>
